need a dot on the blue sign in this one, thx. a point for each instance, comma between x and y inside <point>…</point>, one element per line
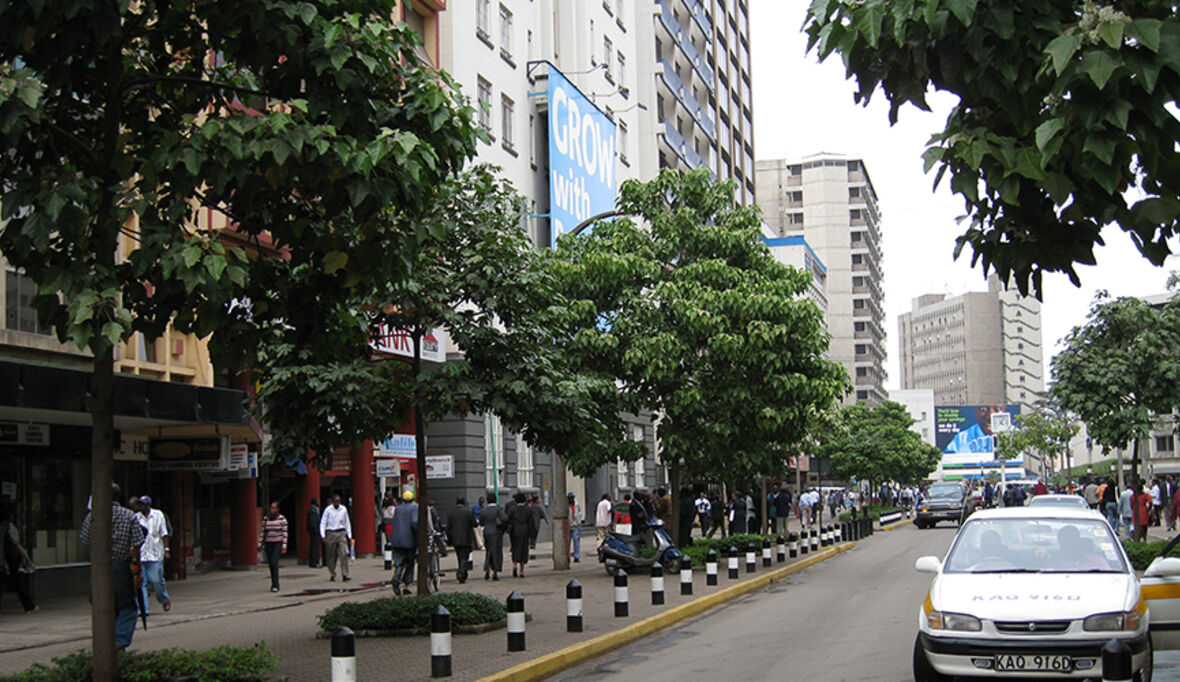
<point>581,157</point>
<point>399,445</point>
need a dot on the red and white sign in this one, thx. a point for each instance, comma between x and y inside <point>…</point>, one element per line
<point>398,342</point>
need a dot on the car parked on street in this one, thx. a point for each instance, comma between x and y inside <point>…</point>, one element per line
<point>945,501</point>
<point>1036,592</point>
<point>1072,501</point>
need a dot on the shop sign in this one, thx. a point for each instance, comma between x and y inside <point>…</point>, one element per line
<point>440,466</point>
<point>387,467</point>
<point>133,448</point>
<point>398,342</point>
<point>189,454</point>
<point>399,445</point>
<point>12,433</point>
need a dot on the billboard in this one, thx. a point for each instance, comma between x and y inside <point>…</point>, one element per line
<point>581,157</point>
<point>965,436</point>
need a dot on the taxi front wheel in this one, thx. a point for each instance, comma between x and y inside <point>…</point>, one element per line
<point>923,672</point>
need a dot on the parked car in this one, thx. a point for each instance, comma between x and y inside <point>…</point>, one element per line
<point>1075,501</point>
<point>945,501</point>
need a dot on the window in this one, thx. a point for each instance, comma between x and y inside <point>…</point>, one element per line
<point>862,371</point>
<point>861,348</point>
<point>608,53</point>
<point>507,114</point>
<point>862,395</point>
<point>483,90</point>
<point>482,20</point>
<point>493,434</point>
<point>524,463</point>
<point>859,326</point>
<point>621,467</point>
<point>621,61</point>
<point>639,438</point>
<point>795,218</point>
<point>505,31</point>
<point>622,142</point>
<point>858,304</point>
<point>1164,444</point>
<point>857,259</point>
<point>533,140</point>
<point>19,314</point>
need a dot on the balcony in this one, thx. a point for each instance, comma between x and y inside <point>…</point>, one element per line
<point>683,149</point>
<point>682,40</point>
<point>684,96</point>
<point>700,16</point>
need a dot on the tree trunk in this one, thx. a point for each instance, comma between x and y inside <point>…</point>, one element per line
<point>674,499</point>
<point>561,517</point>
<point>420,446</point>
<point>765,518</point>
<point>102,593</point>
<point>1134,467</point>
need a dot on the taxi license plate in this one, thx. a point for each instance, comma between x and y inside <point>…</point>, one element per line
<point>1033,663</point>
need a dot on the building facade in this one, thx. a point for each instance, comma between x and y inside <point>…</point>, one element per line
<point>830,202</point>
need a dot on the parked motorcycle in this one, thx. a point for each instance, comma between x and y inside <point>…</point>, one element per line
<point>623,551</point>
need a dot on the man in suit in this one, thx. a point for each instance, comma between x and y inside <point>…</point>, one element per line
<point>313,533</point>
<point>461,535</point>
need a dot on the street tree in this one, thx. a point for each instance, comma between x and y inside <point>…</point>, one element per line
<point>1120,371</point>
<point>696,321</point>
<point>126,125</point>
<point>876,444</point>
<point>1063,123</point>
<point>1047,431</point>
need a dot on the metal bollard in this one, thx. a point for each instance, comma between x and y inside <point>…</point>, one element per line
<point>657,584</point>
<point>794,544</point>
<point>711,567</point>
<point>686,575</point>
<point>388,553</point>
<point>780,546</point>
<point>440,642</point>
<point>573,606</point>
<point>621,605</point>
<point>343,655</point>
<point>751,557</point>
<point>515,621</point>
<point>732,558</point>
<point>766,561</point>
<point>1116,661</point>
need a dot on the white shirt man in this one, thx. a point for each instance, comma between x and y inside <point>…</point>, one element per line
<point>603,514</point>
<point>336,530</point>
<point>153,551</point>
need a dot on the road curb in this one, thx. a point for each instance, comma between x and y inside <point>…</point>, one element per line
<point>576,654</point>
<point>899,524</point>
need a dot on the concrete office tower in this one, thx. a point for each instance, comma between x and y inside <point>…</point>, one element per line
<point>830,201</point>
<point>974,349</point>
<point>696,85</point>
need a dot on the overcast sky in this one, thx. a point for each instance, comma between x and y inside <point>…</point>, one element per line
<point>802,107</point>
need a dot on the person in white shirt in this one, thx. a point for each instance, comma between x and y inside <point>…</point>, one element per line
<point>603,514</point>
<point>153,552</point>
<point>1156,502</point>
<point>336,530</point>
<point>704,512</point>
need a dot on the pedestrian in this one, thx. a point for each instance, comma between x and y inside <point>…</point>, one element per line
<point>1090,492</point>
<point>602,518</point>
<point>1141,509</point>
<point>575,526</point>
<point>805,509</point>
<point>493,519</point>
<point>1174,508</point>
<point>540,516</point>
<point>15,564</point>
<point>313,534</point>
<point>752,525</point>
<point>685,513</point>
<point>126,537</point>
<point>782,509</point>
<point>274,541</point>
<point>704,514</point>
<point>461,535</point>
<point>661,504</point>
<point>1109,496</point>
<point>1156,502</point>
<point>522,522</point>
<point>737,514</point>
<point>154,552</point>
<point>1169,494</point>
<point>1040,488</point>
<point>717,512</point>
<point>640,512</point>
<point>388,508</point>
<point>475,512</point>
<point>1125,514</point>
<point>336,530</point>
<point>404,531</point>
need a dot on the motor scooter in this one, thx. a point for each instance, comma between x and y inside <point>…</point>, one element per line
<point>624,551</point>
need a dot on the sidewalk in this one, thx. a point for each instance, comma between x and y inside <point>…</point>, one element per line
<point>236,607</point>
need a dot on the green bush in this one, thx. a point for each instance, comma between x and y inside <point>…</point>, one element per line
<point>1142,553</point>
<point>223,664</point>
<point>701,546</point>
<point>401,613</point>
<point>874,511</point>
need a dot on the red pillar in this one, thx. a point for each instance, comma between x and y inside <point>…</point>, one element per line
<point>364,522</point>
<point>310,489</point>
<point>244,524</point>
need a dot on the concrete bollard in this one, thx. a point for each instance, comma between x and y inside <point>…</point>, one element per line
<point>780,546</point>
<point>823,536</point>
<point>840,532</point>
<point>686,575</point>
<point>573,606</point>
<point>343,655</point>
<point>621,604</point>
<point>804,542</point>
<point>732,559</point>
<point>515,621</point>
<point>440,642</point>
<point>387,552</point>
<point>751,557</point>
<point>814,540</point>
<point>794,539</point>
<point>1116,661</point>
<point>766,560</point>
<point>711,567</point>
<point>830,536</point>
<point>657,584</point>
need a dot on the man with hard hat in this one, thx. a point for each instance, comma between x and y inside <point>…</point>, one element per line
<point>403,532</point>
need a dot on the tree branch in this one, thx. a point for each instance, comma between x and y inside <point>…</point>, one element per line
<point>189,80</point>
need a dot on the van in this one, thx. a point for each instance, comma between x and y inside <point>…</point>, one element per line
<point>945,501</point>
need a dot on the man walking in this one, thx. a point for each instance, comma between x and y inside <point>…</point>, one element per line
<point>313,533</point>
<point>602,517</point>
<point>404,530</point>
<point>461,535</point>
<point>575,526</point>
<point>782,509</point>
<point>704,513</point>
<point>153,552</point>
<point>126,537</point>
<point>336,530</point>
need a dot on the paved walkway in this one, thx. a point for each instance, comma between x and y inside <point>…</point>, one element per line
<point>236,607</point>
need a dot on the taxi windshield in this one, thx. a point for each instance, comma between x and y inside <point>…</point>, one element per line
<point>945,492</point>
<point>1035,545</point>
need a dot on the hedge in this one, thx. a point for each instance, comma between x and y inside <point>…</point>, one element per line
<point>1142,553</point>
<point>701,546</point>
<point>873,510</point>
<point>223,664</point>
<point>403,613</point>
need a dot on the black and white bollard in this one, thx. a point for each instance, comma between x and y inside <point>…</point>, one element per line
<point>657,584</point>
<point>766,560</point>
<point>751,557</point>
<point>732,559</point>
<point>440,642</point>
<point>621,605</point>
<point>686,575</point>
<point>388,553</point>
<point>343,655</point>
<point>794,539</point>
<point>814,540</point>
<point>825,537</point>
<point>804,542</point>
<point>1116,661</point>
<point>711,567</point>
<point>780,549</point>
<point>515,621</point>
<point>840,532</point>
<point>573,606</point>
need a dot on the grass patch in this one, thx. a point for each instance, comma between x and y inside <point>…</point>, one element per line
<point>402,613</point>
<point>223,664</point>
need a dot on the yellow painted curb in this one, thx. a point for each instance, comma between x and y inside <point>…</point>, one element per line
<point>550,664</point>
<point>897,524</point>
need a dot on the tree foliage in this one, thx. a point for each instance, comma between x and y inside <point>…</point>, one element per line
<point>876,443</point>
<point>1062,124</point>
<point>1046,431</point>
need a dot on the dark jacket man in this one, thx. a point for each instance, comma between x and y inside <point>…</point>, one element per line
<point>313,534</point>
<point>461,535</point>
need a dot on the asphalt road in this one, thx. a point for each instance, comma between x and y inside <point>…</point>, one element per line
<point>852,618</point>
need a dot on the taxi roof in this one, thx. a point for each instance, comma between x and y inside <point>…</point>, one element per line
<point>1045,512</point>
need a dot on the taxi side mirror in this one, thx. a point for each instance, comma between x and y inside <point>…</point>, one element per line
<point>929,564</point>
<point>1169,567</point>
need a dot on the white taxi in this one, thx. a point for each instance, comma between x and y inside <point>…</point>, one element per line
<point>1036,593</point>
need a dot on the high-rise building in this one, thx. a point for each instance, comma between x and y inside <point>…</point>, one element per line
<point>977,348</point>
<point>830,201</point>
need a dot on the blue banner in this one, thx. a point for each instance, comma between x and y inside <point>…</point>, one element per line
<point>581,157</point>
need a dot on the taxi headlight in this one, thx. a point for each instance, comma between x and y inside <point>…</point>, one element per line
<point>1111,622</point>
<point>941,620</point>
